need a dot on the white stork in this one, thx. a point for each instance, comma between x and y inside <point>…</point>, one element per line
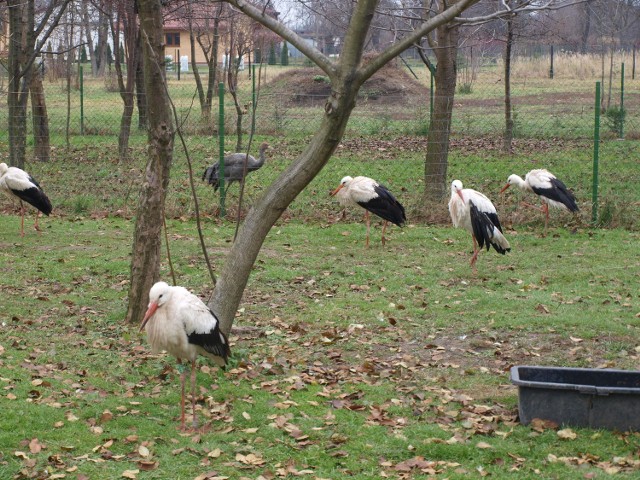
<point>548,187</point>
<point>17,183</point>
<point>374,198</point>
<point>474,212</point>
<point>181,324</point>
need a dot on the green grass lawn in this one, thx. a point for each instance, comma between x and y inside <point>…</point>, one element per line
<point>387,362</point>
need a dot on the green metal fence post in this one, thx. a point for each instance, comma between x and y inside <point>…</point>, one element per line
<point>253,99</point>
<point>221,153</point>
<point>81,71</point>
<point>596,151</point>
<point>621,133</point>
<point>178,63</point>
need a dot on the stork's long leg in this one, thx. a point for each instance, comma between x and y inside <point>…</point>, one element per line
<point>35,225</point>
<point>193,392</point>
<point>384,228</point>
<point>182,379</point>
<point>535,207</point>
<point>474,258</point>
<point>545,209</point>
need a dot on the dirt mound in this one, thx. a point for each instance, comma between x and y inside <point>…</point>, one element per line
<point>311,85</point>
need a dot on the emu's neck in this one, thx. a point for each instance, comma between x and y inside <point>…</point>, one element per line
<point>261,157</point>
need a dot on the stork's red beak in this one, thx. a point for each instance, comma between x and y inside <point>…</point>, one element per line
<point>336,190</point>
<point>505,187</point>
<point>150,311</point>
<point>459,192</point>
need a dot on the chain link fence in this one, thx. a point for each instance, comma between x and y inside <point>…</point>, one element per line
<point>391,119</point>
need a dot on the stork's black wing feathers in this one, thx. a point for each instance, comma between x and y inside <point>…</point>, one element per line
<point>493,217</point>
<point>385,206</point>
<point>214,341</point>
<point>35,196</point>
<point>558,192</point>
<point>483,224</point>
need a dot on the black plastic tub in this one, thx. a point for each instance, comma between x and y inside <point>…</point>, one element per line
<point>579,397</point>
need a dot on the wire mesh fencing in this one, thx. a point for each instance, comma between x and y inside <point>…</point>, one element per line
<point>391,121</point>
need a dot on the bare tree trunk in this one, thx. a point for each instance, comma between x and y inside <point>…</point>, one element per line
<point>586,29</point>
<point>145,259</point>
<point>141,96</point>
<point>125,126</point>
<point>508,118</point>
<point>25,41</point>
<point>602,58</point>
<point>20,26</point>
<point>101,53</point>
<point>17,128</point>
<point>86,22</point>
<point>346,82</point>
<point>41,141</point>
<point>126,17</point>
<point>239,45</point>
<point>205,110</point>
<point>264,213</point>
<point>610,87</point>
<point>208,42</point>
<point>68,65</point>
<point>436,162</point>
<point>208,38</point>
<point>232,82</point>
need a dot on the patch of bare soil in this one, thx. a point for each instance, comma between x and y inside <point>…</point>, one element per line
<point>311,85</point>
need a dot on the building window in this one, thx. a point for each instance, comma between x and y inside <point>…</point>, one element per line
<point>172,39</point>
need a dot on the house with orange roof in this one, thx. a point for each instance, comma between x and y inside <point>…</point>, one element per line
<point>203,22</point>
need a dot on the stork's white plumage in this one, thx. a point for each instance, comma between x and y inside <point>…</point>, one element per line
<point>17,183</point>
<point>474,212</point>
<point>551,190</point>
<point>181,324</point>
<point>374,198</point>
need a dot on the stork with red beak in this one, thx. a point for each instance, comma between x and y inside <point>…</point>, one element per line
<point>474,212</point>
<point>374,198</point>
<point>181,324</point>
<point>551,190</point>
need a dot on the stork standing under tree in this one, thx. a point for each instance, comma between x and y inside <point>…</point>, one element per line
<point>234,167</point>
<point>17,183</point>
<point>548,187</point>
<point>374,198</point>
<point>474,212</point>
<point>181,324</point>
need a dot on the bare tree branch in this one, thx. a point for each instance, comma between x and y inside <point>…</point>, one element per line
<point>285,32</point>
<point>449,14</point>
<point>527,7</point>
